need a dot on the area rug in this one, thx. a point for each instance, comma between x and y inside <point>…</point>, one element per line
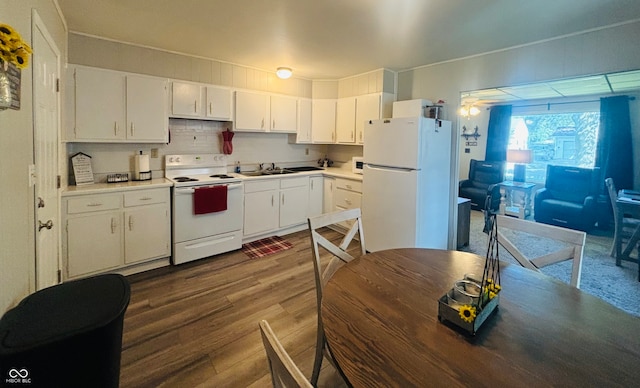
<point>601,277</point>
<point>265,247</point>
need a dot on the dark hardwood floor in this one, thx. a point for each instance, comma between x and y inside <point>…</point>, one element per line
<point>197,324</point>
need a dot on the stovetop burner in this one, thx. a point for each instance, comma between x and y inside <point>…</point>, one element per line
<point>184,179</point>
<point>221,176</point>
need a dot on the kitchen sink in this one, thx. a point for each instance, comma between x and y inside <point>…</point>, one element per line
<point>305,168</point>
<point>267,172</point>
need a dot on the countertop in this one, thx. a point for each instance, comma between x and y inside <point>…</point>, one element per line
<point>101,188</point>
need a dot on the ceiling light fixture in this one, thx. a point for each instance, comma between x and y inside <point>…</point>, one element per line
<point>284,72</point>
<point>468,110</point>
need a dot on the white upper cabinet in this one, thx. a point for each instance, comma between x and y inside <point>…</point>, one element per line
<point>368,107</point>
<point>218,103</point>
<point>284,114</point>
<point>252,112</point>
<point>323,121</point>
<point>147,118</point>
<point>346,120</point>
<point>112,106</point>
<point>186,99</point>
<point>193,100</point>
<point>304,121</point>
<point>99,105</point>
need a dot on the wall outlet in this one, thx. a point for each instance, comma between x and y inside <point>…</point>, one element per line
<point>154,152</point>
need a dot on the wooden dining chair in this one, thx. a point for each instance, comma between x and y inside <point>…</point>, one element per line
<point>573,249</point>
<point>352,218</point>
<point>629,225</point>
<point>284,372</point>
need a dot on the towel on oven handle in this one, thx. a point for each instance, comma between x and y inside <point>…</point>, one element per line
<point>210,199</point>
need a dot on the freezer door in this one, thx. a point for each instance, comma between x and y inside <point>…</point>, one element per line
<point>389,198</point>
<point>393,142</point>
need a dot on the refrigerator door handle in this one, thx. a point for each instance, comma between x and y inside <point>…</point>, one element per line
<point>386,168</point>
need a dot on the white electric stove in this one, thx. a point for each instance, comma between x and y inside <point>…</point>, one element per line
<point>196,236</point>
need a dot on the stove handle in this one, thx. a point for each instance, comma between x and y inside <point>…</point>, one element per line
<point>191,190</point>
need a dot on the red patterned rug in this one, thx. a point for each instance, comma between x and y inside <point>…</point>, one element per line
<point>265,246</point>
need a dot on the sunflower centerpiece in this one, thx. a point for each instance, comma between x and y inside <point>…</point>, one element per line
<point>471,300</point>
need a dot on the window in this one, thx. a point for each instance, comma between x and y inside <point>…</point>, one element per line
<point>558,138</point>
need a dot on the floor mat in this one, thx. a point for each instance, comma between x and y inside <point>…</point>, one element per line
<point>265,246</point>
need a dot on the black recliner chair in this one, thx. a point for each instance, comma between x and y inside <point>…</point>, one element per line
<point>569,198</point>
<point>482,175</point>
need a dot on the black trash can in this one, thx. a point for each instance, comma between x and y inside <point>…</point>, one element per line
<point>68,335</point>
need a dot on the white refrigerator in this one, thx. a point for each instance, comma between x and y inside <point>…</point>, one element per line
<point>406,179</point>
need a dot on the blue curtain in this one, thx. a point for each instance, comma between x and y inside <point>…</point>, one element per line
<point>614,153</point>
<point>498,133</point>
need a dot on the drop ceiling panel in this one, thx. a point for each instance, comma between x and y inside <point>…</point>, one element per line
<point>581,86</point>
<point>623,82</point>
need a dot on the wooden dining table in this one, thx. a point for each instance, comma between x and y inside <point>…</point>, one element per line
<point>380,317</point>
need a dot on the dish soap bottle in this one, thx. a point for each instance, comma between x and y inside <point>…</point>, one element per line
<point>238,167</point>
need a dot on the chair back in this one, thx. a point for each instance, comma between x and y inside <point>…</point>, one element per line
<point>613,196</point>
<point>572,184</point>
<point>573,240</point>
<point>284,372</point>
<point>482,173</point>
<point>352,218</point>
<point>339,252</point>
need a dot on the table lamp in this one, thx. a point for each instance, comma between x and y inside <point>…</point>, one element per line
<point>520,158</point>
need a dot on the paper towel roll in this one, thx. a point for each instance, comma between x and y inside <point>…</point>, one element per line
<point>141,167</point>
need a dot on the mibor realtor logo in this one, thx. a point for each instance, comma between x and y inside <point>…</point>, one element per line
<point>18,376</point>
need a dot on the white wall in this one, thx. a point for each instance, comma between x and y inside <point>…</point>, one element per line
<point>17,258</point>
<point>602,51</point>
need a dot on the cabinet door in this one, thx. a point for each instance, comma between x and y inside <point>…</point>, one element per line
<point>284,114</point>
<point>327,197</point>
<point>218,104</point>
<point>147,118</point>
<point>367,108</point>
<point>294,203</point>
<point>186,99</point>
<point>146,233</point>
<point>94,243</point>
<point>261,212</point>
<point>304,121</point>
<point>316,191</point>
<point>323,121</point>
<point>252,112</point>
<point>346,120</point>
<point>100,105</point>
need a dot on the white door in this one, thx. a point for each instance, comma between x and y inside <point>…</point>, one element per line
<point>46,72</point>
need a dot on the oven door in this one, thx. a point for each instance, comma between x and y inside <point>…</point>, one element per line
<point>188,226</point>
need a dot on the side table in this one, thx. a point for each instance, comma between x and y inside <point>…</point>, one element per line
<point>519,209</point>
<point>464,221</point>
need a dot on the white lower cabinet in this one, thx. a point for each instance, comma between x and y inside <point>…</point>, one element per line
<point>112,231</point>
<point>261,206</point>
<point>272,204</point>
<point>328,186</point>
<point>316,194</point>
<point>347,195</point>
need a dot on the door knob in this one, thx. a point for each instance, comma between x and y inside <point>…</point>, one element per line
<point>48,225</point>
<point>40,202</point>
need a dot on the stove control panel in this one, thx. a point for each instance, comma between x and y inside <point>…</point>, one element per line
<point>195,161</point>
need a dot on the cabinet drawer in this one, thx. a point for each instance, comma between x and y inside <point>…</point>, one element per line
<point>347,199</point>
<point>93,203</point>
<point>146,197</point>
<point>294,182</point>
<point>347,184</point>
<point>262,185</point>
